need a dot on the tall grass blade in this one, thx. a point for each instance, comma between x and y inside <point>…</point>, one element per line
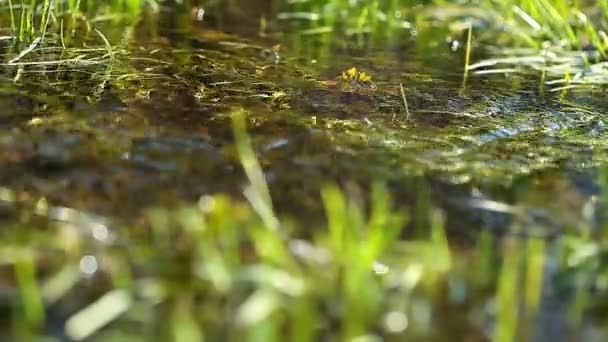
<point>257,192</point>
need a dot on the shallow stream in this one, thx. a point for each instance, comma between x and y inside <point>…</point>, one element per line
<point>500,153</point>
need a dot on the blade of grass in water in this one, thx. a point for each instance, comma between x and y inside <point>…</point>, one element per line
<point>46,17</point>
<point>12,14</point>
<point>31,299</point>
<point>257,192</point>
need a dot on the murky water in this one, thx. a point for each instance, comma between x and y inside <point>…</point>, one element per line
<point>154,129</point>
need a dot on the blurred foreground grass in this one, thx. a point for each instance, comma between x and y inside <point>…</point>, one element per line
<point>224,270</point>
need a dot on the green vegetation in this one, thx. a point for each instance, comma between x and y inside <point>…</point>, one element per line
<point>107,108</point>
<point>227,270</point>
<point>36,19</point>
<point>568,41</point>
<point>565,40</point>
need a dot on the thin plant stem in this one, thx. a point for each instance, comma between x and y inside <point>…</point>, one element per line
<point>12,13</point>
<point>467,58</point>
<point>407,109</point>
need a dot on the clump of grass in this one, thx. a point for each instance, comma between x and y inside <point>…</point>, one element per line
<point>58,40</point>
<point>44,23</point>
<point>381,19</point>
<point>565,39</point>
<point>559,23</point>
